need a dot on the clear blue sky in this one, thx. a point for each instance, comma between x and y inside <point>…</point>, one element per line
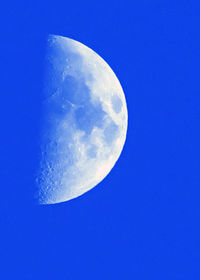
<point>142,221</point>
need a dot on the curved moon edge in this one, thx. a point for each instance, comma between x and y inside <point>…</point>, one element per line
<point>84,121</point>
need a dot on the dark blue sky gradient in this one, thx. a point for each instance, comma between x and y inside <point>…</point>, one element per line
<point>142,221</point>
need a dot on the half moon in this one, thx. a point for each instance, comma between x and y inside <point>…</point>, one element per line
<point>84,121</point>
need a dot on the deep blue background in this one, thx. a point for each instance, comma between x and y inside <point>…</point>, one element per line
<point>142,221</point>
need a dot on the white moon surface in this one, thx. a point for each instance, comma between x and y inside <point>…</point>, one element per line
<point>84,121</point>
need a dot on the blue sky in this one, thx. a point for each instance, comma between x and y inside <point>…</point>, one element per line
<point>142,221</point>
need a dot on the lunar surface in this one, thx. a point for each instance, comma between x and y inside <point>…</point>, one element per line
<point>84,121</point>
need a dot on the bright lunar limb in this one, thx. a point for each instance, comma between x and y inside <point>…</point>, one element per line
<point>84,121</point>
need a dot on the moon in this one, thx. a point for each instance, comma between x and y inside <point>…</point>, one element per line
<point>84,123</point>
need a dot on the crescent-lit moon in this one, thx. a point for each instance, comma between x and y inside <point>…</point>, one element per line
<point>84,121</point>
